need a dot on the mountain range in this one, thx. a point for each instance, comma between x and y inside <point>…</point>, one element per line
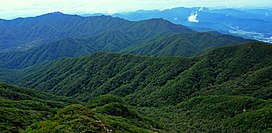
<point>67,73</point>
<point>154,37</point>
<point>24,33</point>
<point>223,88</point>
<point>169,80</point>
<point>249,23</point>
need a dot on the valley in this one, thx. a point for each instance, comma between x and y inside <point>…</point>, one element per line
<point>68,73</point>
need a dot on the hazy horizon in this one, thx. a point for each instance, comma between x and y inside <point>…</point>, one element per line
<point>17,8</point>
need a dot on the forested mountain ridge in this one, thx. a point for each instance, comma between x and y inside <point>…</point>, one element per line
<point>185,44</point>
<point>171,44</point>
<point>105,74</point>
<point>25,33</point>
<point>227,89</point>
<point>169,80</point>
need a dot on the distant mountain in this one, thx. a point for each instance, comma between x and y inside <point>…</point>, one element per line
<point>172,44</point>
<point>257,14</point>
<point>109,41</point>
<point>249,23</point>
<point>106,74</point>
<point>25,33</point>
<point>189,44</point>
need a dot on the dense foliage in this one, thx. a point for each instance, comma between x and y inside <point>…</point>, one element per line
<point>182,44</point>
<point>149,81</point>
<point>25,33</point>
<point>20,107</point>
<point>155,37</point>
<point>216,113</point>
<point>225,90</point>
<point>111,116</point>
<point>134,42</point>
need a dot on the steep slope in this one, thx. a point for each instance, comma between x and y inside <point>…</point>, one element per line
<point>228,70</point>
<point>189,44</point>
<point>20,107</point>
<point>149,81</point>
<point>225,90</point>
<point>102,73</point>
<point>25,33</point>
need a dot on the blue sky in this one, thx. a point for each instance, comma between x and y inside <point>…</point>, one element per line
<point>22,8</point>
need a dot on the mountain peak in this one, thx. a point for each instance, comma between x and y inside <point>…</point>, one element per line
<point>54,14</point>
<point>57,13</point>
<point>156,20</point>
<point>166,25</point>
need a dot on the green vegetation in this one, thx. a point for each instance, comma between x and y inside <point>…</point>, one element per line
<point>110,116</point>
<point>20,107</point>
<point>227,89</point>
<point>150,81</point>
<point>215,113</point>
<point>182,44</point>
<point>25,33</point>
<point>37,111</point>
<point>174,82</point>
<point>135,42</point>
<point>104,73</point>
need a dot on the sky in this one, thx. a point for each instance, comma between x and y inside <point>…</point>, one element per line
<point>10,9</point>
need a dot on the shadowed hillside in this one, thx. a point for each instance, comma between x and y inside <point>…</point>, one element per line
<point>150,81</point>
<point>25,33</point>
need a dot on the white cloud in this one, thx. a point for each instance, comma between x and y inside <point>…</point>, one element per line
<point>193,18</point>
<point>12,8</point>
